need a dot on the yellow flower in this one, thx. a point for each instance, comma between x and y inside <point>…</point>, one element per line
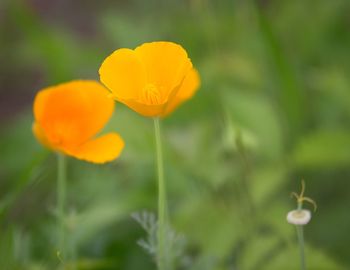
<point>153,79</point>
<point>69,115</point>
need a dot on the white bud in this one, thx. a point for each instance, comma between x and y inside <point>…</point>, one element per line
<point>299,217</point>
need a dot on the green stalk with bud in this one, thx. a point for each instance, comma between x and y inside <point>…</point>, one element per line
<point>300,217</point>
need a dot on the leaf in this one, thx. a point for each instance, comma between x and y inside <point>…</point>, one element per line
<point>288,259</point>
<point>323,149</point>
<point>256,114</point>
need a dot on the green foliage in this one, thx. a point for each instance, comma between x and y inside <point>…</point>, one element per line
<point>274,107</point>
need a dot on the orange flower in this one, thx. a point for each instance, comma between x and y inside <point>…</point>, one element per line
<point>153,79</point>
<point>69,115</point>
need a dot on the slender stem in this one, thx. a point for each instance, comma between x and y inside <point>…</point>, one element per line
<point>300,235</point>
<point>74,254</point>
<point>61,198</point>
<point>245,183</point>
<point>162,206</point>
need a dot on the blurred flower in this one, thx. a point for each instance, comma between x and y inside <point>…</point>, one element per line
<point>153,79</point>
<point>69,115</point>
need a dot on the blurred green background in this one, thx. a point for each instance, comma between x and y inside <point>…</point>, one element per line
<point>273,108</point>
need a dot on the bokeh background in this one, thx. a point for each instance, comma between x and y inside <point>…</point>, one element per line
<point>273,108</point>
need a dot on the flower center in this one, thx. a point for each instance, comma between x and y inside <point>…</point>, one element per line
<point>299,214</point>
<point>151,94</point>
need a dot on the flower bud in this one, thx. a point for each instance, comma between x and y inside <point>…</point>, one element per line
<point>299,217</point>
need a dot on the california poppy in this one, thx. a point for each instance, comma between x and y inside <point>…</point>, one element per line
<point>69,115</point>
<point>152,79</point>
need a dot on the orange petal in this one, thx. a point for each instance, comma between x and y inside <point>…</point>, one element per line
<point>166,64</point>
<point>103,149</point>
<point>123,74</point>
<point>71,113</point>
<point>40,135</point>
<point>188,88</point>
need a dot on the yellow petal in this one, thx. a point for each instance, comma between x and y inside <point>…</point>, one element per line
<point>71,113</point>
<point>188,88</point>
<point>166,65</point>
<point>144,109</point>
<point>123,74</point>
<point>149,109</point>
<point>103,149</point>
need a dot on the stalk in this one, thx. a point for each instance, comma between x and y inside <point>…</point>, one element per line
<point>61,198</point>
<point>162,204</point>
<point>300,235</point>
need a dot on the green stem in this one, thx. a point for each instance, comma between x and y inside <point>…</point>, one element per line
<point>161,254</point>
<point>74,254</point>
<point>245,183</point>
<point>300,235</point>
<point>61,198</point>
